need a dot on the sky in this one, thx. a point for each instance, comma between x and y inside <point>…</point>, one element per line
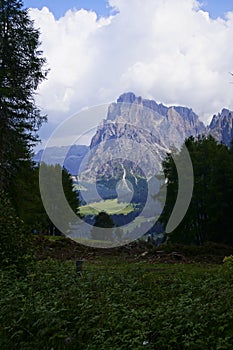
<point>59,8</point>
<point>215,8</point>
<point>177,52</point>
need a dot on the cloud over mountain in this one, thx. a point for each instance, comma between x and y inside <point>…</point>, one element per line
<point>168,50</point>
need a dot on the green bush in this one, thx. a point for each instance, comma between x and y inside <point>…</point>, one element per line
<point>14,241</point>
<point>228,261</point>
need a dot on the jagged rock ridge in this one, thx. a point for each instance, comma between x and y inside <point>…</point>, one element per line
<point>221,126</point>
<point>153,126</point>
<point>142,130</point>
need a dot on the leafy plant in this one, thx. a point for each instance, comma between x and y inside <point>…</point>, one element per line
<point>15,249</point>
<point>228,261</point>
<point>116,305</point>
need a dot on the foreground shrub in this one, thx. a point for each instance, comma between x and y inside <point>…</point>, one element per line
<point>14,241</point>
<point>126,306</point>
<point>228,261</point>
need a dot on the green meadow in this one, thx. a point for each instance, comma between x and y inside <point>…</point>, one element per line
<point>110,206</point>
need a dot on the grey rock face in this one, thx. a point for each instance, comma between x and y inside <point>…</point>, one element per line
<point>137,133</point>
<point>221,126</point>
<point>170,125</point>
<point>140,131</point>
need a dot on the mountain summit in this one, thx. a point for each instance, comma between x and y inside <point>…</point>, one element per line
<point>171,124</point>
<point>221,126</point>
<point>142,128</point>
<point>138,130</point>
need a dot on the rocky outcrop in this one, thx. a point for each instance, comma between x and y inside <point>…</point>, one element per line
<point>169,125</point>
<point>221,126</point>
<point>140,131</point>
<point>136,135</point>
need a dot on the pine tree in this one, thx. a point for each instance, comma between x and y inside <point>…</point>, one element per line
<point>15,247</point>
<point>21,71</point>
<point>209,216</point>
<point>25,196</point>
<point>54,201</point>
<point>103,221</point>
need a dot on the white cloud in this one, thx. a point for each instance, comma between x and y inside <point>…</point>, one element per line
<point>168,50</point>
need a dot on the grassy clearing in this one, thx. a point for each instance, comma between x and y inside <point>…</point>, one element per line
<point>117,304</point>
<point>110,206</point>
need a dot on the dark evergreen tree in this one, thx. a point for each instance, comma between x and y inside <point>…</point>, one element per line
<point>15,247</point>
<point>21,70</point>
<point>70,193</point>
<point>50,183</point>
<point>220,197</point>
<point>209,215</point>
<point>25,194</point>
<point>103,220</point>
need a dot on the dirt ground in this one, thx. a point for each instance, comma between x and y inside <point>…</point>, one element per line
<point>63,248</point>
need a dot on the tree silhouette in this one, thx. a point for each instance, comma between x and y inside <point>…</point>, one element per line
<point>209,216</point>
<point>102,222</point>
<point>21,71</point>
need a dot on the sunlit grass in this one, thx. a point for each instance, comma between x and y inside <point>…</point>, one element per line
<point>110,206</point>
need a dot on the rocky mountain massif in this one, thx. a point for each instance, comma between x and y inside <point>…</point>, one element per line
<point>221,127</point>
<point>135,135</point>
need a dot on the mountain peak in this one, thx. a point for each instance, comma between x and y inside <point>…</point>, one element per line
<point>225,112</point>
<point>144,122</point>
<point>221,126</point>
<point>127,97</point>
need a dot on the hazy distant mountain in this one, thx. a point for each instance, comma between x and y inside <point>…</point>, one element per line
<point>73,156</point>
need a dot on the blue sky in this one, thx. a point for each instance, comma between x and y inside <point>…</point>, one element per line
<point>216,8</point>
<point>60,7</point>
